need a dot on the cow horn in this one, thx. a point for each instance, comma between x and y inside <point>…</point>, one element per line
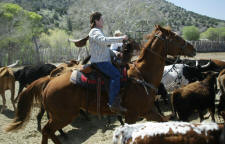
<point>196,63</point>
<point>208,64</point>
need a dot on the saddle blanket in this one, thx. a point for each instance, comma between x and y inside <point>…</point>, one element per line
<point>90,80</point>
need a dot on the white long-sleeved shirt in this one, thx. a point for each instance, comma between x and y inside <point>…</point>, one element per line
<point>98,45</point>
<point>116,47</point>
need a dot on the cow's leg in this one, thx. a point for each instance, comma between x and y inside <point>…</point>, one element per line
<point>200,115</point>
<point>4,102</point>
<point>157,106</point>
<point>212,112</point>
<point>12,97</point>
<point>21,86</point>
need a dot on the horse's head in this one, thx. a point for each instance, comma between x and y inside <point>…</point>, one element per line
<point>173,44</point>
<point>129,49</point>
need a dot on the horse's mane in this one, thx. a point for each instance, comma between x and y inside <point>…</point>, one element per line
<point>146,45</point>
<point>150,37</point>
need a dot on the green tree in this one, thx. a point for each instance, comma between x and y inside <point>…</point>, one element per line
<point>10,27</point>
<point>214,34</point>
<point>56,42</point>
<point>17,29</point>
<point>190,33</point>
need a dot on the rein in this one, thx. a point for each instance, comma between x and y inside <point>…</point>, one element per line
<point>166,48</point>
<point>142,81</point>
<point>171,67</point>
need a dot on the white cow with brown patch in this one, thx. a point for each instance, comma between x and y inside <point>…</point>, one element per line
<point>168,133</point>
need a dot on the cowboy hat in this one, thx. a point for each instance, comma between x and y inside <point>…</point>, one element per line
<point>117,32</point>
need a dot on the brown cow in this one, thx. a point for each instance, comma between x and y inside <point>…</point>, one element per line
<point>198,95</point>
<point>7,81</point>
<point>221,81</point>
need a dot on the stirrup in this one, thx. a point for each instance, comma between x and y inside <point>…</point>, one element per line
<point>117,109</point>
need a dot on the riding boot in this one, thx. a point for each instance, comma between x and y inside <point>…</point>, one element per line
<point>116,107</point>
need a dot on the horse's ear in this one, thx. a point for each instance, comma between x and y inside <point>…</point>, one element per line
<point>156,26</point>
<point>168,28</point>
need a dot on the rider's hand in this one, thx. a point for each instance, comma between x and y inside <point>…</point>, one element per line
<point>119,54</point>
<point>125,37</point>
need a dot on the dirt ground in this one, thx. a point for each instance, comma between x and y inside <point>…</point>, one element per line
<point>80,131</point>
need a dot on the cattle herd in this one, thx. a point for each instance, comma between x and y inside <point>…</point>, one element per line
<point>187,86</point>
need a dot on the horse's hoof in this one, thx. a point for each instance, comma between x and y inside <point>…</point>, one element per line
<point>39,129</point>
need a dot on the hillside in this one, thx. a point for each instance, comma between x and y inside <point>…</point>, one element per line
<point>131,16</point>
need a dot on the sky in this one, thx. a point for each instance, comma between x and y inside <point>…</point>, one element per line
<point>211,8</point>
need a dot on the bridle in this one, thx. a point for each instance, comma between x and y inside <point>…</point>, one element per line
<point>142,81</point>
<point>167,41</point>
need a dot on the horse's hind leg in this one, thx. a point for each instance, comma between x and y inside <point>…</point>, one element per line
<point>55,124</point>
<point>49,132</point>
<point>3,101</point>
<point>39,117</point>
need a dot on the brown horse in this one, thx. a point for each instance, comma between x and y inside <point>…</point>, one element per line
<point>128,49</point>
<point>63,100</point>
<point>7,82</point>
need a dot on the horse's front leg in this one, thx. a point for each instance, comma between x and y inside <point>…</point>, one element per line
<point>131,117</point>
<point>153,115</point>
<point>49,132</point>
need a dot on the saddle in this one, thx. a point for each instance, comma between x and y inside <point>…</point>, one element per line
<point>89,75</point>
<point>91,78</point>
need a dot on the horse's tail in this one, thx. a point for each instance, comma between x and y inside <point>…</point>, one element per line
<point>25,102</point>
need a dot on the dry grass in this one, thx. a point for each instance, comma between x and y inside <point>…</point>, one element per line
<point>80,131</point>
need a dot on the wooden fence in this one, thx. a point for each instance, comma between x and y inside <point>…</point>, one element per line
<point>52,55</point>
<point>47,55</point>
<point>209,46</point>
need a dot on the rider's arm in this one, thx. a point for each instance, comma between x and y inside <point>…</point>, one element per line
<point>97,35</point>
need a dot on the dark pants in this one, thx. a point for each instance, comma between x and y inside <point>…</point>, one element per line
<point>114,86</point>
